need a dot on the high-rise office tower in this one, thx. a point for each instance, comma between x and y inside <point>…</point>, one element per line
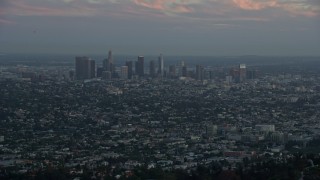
<point>140,66</point>
<point>206,75</point>
<point>234,73</point>
<point>130,69</point>
<point>124,72</point>
<point>184,71</point>
<point>242,72</point>
<point>85,68</point>
<point>110,58</point>
<point>112,65</point>
<point>252,74</point>
<point>160,65</point>
<point>81,64</point>
<point>108,64</point>
<point>152,69</point>
<point>92,67</point>
<point>229,79</point>
<point>199,72</point>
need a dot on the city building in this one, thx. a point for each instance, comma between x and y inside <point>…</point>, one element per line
<point>108,64</point>
<point>152,69</point>
<point>235,74</point>
<point>85,68</point>
<point>160,65</point>
<point>92,67</point>
<point>184,71</point>
<point>140,66</point>
<point>212,130</point>
<point>124,72</point>
<point>252,74</point>
<point>71,75</point>
<point>228,79</point>
<point>265,127</point>
<point>199,72</point>
<point>129,64</point>
<point>242,72</point>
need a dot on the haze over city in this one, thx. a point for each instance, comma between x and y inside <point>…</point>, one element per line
<point>171,27</point>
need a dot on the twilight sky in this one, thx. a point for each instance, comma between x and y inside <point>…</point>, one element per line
<point>151,27</point>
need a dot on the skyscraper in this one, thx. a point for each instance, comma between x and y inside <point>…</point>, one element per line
<point>124,72</point>
<point>184,72</point>
<point>152,69</point>
<point>252,74</point>
<point>160,65</point>
<point>140,66</point>
<point>199,72</point>
<point>130,69</point>
<point>183,69</point>
<point>92,68</point>
<point>110,58</point>
<point>234,73</point>
<point>108,64</point>
<point>242,72</point>
<point>85,68</point>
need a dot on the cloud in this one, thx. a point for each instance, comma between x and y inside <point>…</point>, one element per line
<point>294,7</point>
<point>197,9</point>
<point>255,5</point>
<point>172,6</point>
<point>308,8</point>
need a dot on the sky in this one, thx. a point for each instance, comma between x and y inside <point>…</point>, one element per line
<point>151,27</point>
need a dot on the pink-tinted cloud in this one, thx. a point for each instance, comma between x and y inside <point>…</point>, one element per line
<point>293,7</point>
<point>174,6</point>
<point>196,9</point>
<point>255,5</point>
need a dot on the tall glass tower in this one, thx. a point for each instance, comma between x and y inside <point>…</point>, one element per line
<point>160,65</point>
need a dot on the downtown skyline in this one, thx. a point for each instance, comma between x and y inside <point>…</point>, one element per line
<point>172,27</point>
